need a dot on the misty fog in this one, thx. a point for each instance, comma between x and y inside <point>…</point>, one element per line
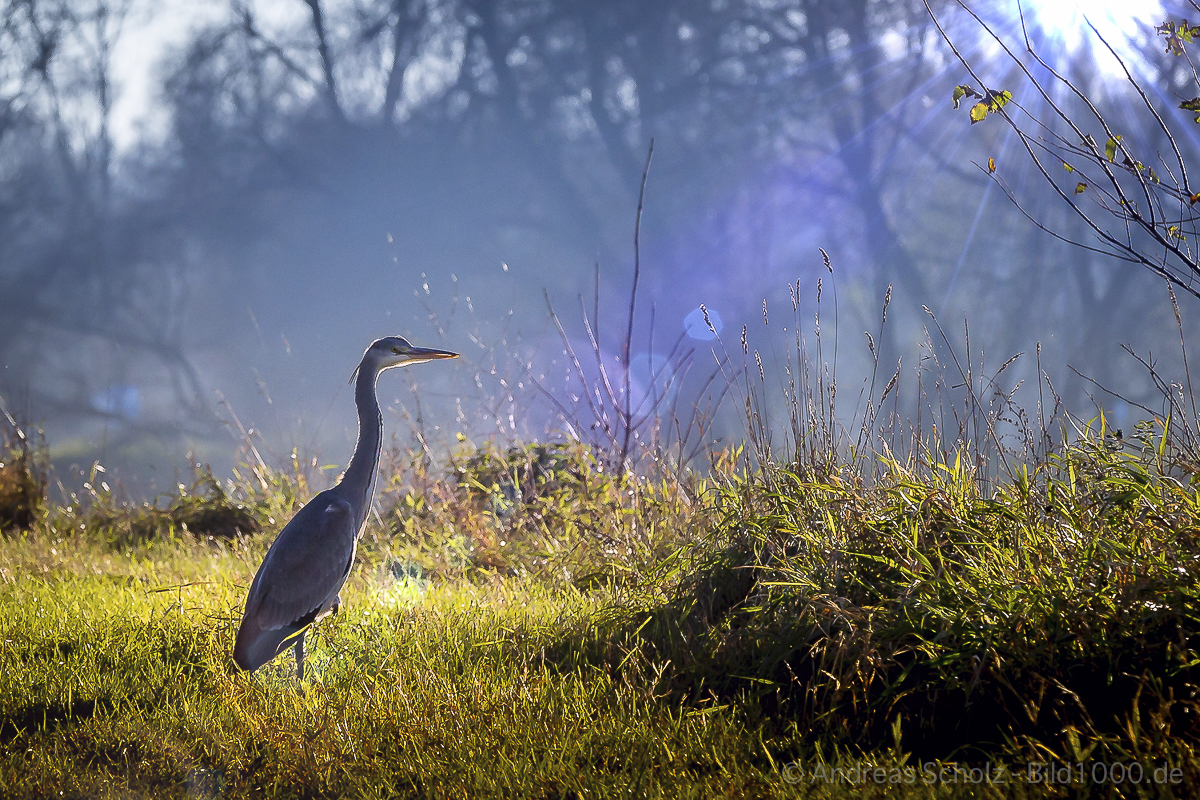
<point>197,245</point>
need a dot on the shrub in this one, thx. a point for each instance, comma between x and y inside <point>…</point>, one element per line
<point>547,509</point>
<point>1060,614</point>
<point>22,483</point>
<point>206,509</point>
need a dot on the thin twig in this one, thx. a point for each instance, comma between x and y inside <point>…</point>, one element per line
<point>637,266</point>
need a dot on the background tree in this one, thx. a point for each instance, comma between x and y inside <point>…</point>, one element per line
<point>1114,154</point>
<point>327,160</point>
<point>92,277</point>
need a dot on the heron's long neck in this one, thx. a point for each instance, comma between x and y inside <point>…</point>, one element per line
<point>359,480</point>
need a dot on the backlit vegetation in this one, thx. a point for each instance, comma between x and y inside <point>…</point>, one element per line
<point>524,620</point>
<point>522,623</point>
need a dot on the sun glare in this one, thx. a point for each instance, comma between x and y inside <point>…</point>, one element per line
<point>1066,21</point>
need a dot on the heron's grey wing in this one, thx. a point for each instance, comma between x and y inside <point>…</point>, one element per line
<point>306,566</point>
<point>298,581</point>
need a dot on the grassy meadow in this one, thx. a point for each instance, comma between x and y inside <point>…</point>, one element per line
<point>522,622</point>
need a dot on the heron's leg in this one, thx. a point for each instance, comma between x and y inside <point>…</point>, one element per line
<point>299,648</point>
<point>337,602</point>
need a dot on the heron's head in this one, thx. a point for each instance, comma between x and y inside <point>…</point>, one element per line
<point>395,351</point>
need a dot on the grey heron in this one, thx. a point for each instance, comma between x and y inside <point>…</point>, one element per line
<point>300,579</point>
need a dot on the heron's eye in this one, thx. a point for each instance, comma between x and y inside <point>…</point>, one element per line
<point>396,350</point>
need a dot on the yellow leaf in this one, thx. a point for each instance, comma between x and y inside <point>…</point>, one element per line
<point>1080,187</point>
<point>991,165</point>
<point>1110,148</point>
<point>978,112</point>
<point>997,100</point>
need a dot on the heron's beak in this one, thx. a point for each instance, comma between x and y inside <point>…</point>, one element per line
<point>429,353</point>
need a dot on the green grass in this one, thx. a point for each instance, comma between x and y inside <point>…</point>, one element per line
<point>525,626</point>
<point>110,686</point>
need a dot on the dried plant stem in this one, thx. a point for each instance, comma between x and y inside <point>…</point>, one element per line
<point>637,268</point>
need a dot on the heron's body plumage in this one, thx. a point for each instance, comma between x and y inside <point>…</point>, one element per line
<point>299,580</point>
